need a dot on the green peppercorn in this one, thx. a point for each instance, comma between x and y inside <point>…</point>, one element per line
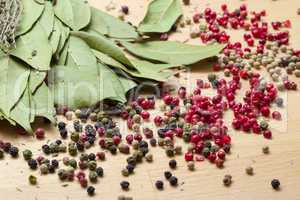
<point>206,152</point>
<point>73,163</point>
<point>62,174</point>
<point>264,125</point>
<point>75,136</point>
<point>211,77</point>
<point>72,149</point>
<point>27,154</point>
<point>32,180</point>
<point>44,169</point>
<point>93,176</point>
<point>186,137</point>
<point>169,151</point>
<point>191,165</point>
<point>92,165</point>
<point>125,172</point>
<point>84,157</point>
<point>54,147</point>
<point>62,148</point>
<point>135,144</point>
<point>136,118</point>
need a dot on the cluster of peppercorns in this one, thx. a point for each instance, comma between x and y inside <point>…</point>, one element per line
<point>6,147</point>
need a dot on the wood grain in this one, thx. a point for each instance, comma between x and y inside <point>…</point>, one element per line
<point>206,181</point>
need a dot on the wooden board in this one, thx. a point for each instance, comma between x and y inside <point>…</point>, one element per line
<point>206,181</point>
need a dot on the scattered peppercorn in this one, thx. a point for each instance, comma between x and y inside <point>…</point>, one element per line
<point>168,175</point>
<point>91,191</point>
<point>227,180</point>
<point>173,181</point>
<point>125,185</point>
<point>32,164</point>
<point>32,180</point>
<point>191,165</point>
<point>27,154</point>
<point>99,171</point>
<point>159,185</point>
<point>14,151</point>
<point>93,176</point>
<point>173,164</point>
<point>275,184</point>
<point>249,170</point>
<point>266,150</point>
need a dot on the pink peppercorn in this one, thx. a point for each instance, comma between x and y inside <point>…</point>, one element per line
<point>145,104</point>
<point>179,132</point>
<point>168,99</point>
<point>182,92</point>
<point>40,133</point>
<point>101,131</point>
<point>137,137</point>
<point>83,182</point>
<point>158,120</point>
<point>221,154</point>
<point>145,115</point>
<point>276,115</point>
<point>219,162</point>
<point>116,140</point>
<point>267,134</point>
<point>102,143</point>
<point>129,138</point>
<point>265,111</point>
<point>189,156</point>
<point>212,157</point>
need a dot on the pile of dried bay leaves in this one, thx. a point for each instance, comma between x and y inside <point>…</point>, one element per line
<point>69,54</point>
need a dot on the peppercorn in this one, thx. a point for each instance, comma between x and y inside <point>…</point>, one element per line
<point>62,174</point>
<point>72,149</point>
<point>125,172</point>
<point>91,191</point>
<point>130,168</point>
<point>6,147</point>
<point>14,152</point>
<point>61,125</point>
<point>1,154</point>
<point>125,9</point>
<point>63,133</point>
<point>40,133</point>
<point>149,157</point>
<point>92,165</point>
<point>54,147</point>
<point>92,156</point>
<point>66,160</point>
<point>173,181</point>
<point>99,171</point>
<point>27,154</point>
<point>264,125</point>
<point>275,183</point>
<point>73,163</point>
<point>62,148</point>
<point>168,175</point>
<point>93,176</point>
<point>173,164</point>
<point>32,164</point>
<point>75,136</point>
<point>266,150</point>
<point>170,151</point>
<point>44,169</point>
<point>227,148</point>
<point>249,170</point>
<point>159,185</point>
<point>153,142</point>
<point>32,180</point>
<point>125,185</point>
<point>227,180</point>
<point>124,148</point>
<point>178,150</point>
<point>51,168</point>
<point>55,163</point>
<point>191,165</point>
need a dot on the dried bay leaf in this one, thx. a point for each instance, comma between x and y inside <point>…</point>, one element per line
<point>79,52</point>
<point>47,18</point>
<point>36,79</point>
<point>13,81</point>
<point>104,45</point>
<point>30,14</point>
<point>65,32</point>
<point>161,16</point>
<point>55,36</point>
<point>74,13</point>
<point>105,24</point>
<point>172,52</point>
<point>157,76</point>
<point>36,54</point>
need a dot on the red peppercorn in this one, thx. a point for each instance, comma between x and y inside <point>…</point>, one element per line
<point>276,115</point>
<point>265,111</point>
<point>189,156</point>
<point>101,131</point>
<point>195,138</point>
<point>40,133</point>
<point>145,104</point>
<point>145,115</point>
<point>267,134</point>
<point>129,138</point>
<point>116,140</point>
<point>221,154</point>
<point>102,143</point>
<point>182,92</point>
<point>137,137</point>
<point>219,162</point>
<point>212,157</point>
<point>158,120</point>
<point>168,99</point>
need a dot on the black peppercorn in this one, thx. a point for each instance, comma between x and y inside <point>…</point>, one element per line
<point>99,171</point>
<point>143,144</point>
<point>51,168</point>
<point>6,147</point>
<point>14,152</point>
<point>63,133</point>
<point>80,146</point>
<point>275,184</point>
<point>125,185</point>
<point>168,175</point>
<point>153,142</point>
<point>173,181</point>
<point>159,185</point>
<point>58,142</point>
<point>61,125</point>
<point>46,149</point>
<point>55,163</point>
<point>92,156</point>
<point>90,190</point>
<point>172,164</point>
<point>32,164</point>
<point>130,168</point>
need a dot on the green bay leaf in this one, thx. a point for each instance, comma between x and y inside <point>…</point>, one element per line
<point>104,45</point>
<point>79,52</point>
<point>172,52</point>
<point>34,48</point>
<point>106,24</point>
<point>47,18</point>
<point>30,14</point>
<point>161,16</point>
<point>74,13</point>
<point>13,81</point>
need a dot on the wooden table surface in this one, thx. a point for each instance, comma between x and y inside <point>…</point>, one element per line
<point>206,181</point>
